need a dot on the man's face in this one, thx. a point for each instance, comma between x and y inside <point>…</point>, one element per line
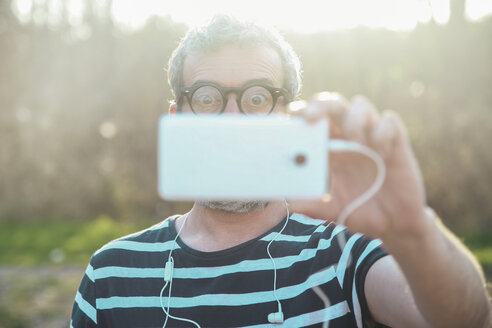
<point>232,66</point>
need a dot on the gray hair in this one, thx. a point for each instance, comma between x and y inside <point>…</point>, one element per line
<point>225,30</point>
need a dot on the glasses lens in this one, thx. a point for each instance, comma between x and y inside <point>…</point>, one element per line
<point>207,100</point>
<point>257,101</point>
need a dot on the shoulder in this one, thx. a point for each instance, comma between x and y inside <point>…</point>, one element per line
<point>151,240</point>
<point>317,230</point>
<point>334,243</point>
<point>300,224</point>
<point>305,220</point>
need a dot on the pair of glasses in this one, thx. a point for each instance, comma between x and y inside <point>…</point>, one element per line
<point>252,99</point>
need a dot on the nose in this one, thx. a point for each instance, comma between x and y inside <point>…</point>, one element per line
<point>231,105</point>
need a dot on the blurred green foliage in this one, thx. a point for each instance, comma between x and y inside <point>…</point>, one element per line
<point>68,242</point>
<point>41,264</point>
<point>484,256</point>
<point>481,246</point>
<point>58,241</point>
<point>11,320</point>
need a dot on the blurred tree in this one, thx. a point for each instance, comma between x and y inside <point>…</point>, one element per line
<point>80,100</point>
<point>457,12</point>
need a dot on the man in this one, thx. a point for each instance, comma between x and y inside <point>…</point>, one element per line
<point>255,263</point>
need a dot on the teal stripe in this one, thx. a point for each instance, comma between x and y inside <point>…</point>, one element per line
<point>166,246</point>
<point>123,243</point>
<point>312,318</point>
<point>89,272</point>
<point>122,272</point>
<point>299,239</point>
<point>295,239</point>
<point>320,229</point>
<point>283,293</point>
<point>213,272</point>
<point>346,257</point>
<point>305,220</point>
<point>161,225</point>
<point>139,246</point>
<point>85,307</point>
<point>128,302</point>
<point>338,229</point>
<point>355,300</point>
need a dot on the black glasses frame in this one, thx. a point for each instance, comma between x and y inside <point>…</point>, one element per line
<point>188,92</point>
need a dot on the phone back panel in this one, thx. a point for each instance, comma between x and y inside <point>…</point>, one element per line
<point>232,157</point>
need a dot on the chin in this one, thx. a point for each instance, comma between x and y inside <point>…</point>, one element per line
<point>234,206</point>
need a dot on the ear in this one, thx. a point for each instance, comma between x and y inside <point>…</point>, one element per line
<point>172,109</point>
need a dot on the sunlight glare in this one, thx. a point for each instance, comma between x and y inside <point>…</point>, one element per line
<point>127,12</point>
<point>75,9</point>
<point>440,10</point>
<point>477,9</point>
<point>310,16</point>
<point>22,8</point>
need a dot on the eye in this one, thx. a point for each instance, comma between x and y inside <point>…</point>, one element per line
<point>257,100</point>
<point>206,99</point>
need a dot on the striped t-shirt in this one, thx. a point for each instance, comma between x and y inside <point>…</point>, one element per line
<point>319,279</point>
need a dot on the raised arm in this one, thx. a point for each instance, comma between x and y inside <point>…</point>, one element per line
<point>431,277</point>
<point>430,281</point>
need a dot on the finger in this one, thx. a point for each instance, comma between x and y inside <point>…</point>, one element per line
<point>324,105</point>
<point>297,108</point>
<point>384,134</point>
<point>392,141</point>
<point>360,120</point>
<point>331,106</point>
<point>400,135</point>
<point>328,104</point>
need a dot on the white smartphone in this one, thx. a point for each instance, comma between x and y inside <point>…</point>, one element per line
<point>231,157</point>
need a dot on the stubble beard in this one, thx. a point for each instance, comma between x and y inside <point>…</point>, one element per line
<point>234,206</point>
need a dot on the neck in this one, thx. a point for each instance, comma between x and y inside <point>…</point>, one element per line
<point>213,230</point>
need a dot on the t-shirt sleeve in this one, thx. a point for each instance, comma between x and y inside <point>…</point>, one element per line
<point>358,254</point>
<point>84,313</point>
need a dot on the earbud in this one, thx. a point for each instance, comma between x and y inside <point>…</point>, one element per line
<point>276,317</point>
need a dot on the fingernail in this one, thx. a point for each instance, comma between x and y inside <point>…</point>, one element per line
<point>325,96</point>
<point>296,106</point>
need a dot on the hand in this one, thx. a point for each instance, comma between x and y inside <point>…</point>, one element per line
<point>397,210</point>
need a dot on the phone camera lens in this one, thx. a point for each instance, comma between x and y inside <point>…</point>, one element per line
<point>300,159</point>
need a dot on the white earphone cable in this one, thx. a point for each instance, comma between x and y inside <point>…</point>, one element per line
<point>337,145</point>
<point>168,278</point>
<point>273,261</point>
